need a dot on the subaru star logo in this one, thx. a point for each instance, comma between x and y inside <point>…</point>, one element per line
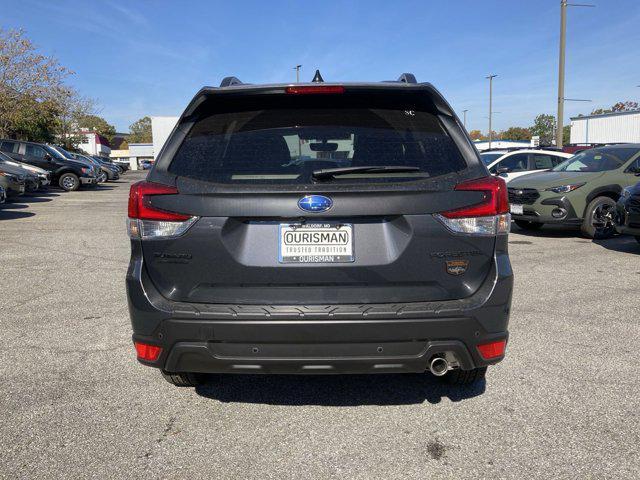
<point>315,203</point>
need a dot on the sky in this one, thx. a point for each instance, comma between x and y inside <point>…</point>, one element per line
<point>140,58</point>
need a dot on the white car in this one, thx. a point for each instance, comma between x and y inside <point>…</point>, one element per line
<point>517,163</point>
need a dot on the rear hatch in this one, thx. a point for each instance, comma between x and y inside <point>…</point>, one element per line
<point>302,196</point>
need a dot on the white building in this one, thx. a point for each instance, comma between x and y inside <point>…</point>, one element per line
<point>606,128</point>
<point>161,128</point>
<point>94,144</point>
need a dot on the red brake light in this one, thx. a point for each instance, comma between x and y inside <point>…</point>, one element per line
<point>492,350</point>
<point>314,89</point>
<point>496,199</point>
<point>140,208</point>
<point>147,352</point>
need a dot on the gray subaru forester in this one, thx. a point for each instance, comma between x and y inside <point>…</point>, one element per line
<point>319,228</point>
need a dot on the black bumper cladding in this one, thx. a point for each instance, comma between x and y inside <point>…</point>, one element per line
<point>320,339</point>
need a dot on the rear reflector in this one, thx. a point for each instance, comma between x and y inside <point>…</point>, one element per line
<point>146,221</point>
<point>315,89</point>
<point>149,353</point>
<point>492,350</point>
<point>490,216</point>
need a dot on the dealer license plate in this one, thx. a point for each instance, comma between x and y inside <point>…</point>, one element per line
<point>316,243</point>
<point>517,209</point>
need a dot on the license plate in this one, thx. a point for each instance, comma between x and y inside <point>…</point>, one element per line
<point>517,209</point>
<point>315,243</point>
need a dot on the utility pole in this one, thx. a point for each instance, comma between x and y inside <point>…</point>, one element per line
<point>490,77</point>
<point>297,69</point>
<point>561,58</point>
<point>464,122</point>
<point>563,44</point>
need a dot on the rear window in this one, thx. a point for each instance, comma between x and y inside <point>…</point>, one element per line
<point>285,145</point>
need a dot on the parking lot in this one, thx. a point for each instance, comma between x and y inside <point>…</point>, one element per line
<point>564,403</point>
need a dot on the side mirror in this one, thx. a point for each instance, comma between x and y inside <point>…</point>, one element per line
<point>503,170</point>
<point>48,157</point>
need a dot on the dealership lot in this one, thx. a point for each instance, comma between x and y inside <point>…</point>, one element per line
<point>75,403</point>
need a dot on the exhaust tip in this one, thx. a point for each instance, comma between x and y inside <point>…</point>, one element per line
<point>439,366</point>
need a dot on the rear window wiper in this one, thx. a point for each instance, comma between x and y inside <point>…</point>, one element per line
<point>327,173</point>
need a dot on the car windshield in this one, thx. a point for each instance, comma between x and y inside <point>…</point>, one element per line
<point>286,145</point>
<point>54,153</point>
<point>597,160</point>
<point>488,158</point>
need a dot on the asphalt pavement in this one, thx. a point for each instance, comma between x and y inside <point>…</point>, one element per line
<point>74,403</point>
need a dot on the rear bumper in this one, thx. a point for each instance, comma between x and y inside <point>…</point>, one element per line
<point>321,339</point>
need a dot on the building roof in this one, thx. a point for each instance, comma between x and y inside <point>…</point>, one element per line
<point>610,114</point>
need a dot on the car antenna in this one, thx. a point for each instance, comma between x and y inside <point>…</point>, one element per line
<point>317,78</point>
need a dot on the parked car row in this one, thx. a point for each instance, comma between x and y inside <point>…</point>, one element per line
<point>595,189</point>
<point>28,167</point>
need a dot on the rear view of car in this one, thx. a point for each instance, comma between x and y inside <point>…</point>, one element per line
<point>319,228</point>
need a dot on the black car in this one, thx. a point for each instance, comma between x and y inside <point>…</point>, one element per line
<point>628,212</point>
<point>69,174</point>
<point>319,228</point>
<point>110,171</point>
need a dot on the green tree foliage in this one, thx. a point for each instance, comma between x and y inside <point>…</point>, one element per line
<point>98,125</point>
<point>140,131</point>
<point>476,135</point>
<point>544,126</point>
<point>35,102</point>
<point>566,134</point>
<point>516,133</point>
<point>627,106</point>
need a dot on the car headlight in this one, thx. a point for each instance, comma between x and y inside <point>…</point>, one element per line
<point>564,188</point>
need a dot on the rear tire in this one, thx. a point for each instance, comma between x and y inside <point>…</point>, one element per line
<point>465,377</point>
<point>69,182</point>
<point>185,379</point>
<point>526,225</point>
<point>598,220</point>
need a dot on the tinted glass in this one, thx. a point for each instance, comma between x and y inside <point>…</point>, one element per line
<point>287,145</point>
<point>34,151</point>
<point>597,160</point>
<point>488,158</point>
<point>541,161</point>
<point>10,147</point>
<point>515,163</point>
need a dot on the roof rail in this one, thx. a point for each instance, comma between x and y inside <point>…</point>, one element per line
<point>407,78</point>
<point>229,81</point>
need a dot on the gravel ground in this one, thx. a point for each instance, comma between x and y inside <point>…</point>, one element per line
<point>75,403</point>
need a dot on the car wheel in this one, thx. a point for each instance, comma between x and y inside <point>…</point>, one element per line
<point>69,182</point>
<point>526,225</point>
<point>183,379</point>
<point>102,177</point>
<point>465,377</point>
<point>599,218</point>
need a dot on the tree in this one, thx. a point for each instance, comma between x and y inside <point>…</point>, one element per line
<point>30,84</point>
<point>476,135</point>
<point>627,106</point>
<point>98,125</point>
<point>544,126</point>
<point>72,107</point>
<point>566,134</point>
<point>140,131</point>
<point>516,133</point>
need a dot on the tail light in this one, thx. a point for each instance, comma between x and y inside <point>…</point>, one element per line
<point>146,221</point>
<point>149,353</point>
<point>488,217</point>
<point>492,350</point>
<point>315,89</point>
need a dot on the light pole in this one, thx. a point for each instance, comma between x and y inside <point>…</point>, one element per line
<point>561,58</point>
<point>297,69</point>
<point>490,77</point>
<point>464,122</point>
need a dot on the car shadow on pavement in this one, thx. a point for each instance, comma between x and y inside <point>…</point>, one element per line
<point>13,214</point>
<point>335,390</point>
<point>621,243</point>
